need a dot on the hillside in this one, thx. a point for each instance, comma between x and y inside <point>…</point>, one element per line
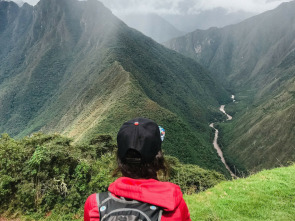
<point>265,131</point>
<point>240,54</point>
<point>72,67</point>
<point>268,195</point>
<point>255,60</point>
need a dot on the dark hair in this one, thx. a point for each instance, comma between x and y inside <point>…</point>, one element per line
<point>133,166</point>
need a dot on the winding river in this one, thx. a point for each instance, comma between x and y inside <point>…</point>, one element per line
<point>215,143</point>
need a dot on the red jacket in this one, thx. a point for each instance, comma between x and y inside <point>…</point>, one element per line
<point>163,194</point>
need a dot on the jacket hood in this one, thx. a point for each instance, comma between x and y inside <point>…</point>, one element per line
<point>163,194</point>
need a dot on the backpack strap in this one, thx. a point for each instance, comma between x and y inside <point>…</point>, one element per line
<point>160,214</point>
<point>101,198</point>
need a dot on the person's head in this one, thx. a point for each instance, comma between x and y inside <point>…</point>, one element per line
<point>139,153</point>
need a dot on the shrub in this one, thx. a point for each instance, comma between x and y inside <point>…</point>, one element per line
<point>44,175</point>
<point>192,178</point>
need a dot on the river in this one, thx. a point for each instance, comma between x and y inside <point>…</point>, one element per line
<point>215,143</point>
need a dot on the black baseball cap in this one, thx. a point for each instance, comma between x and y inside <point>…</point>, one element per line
<point>142,135</point>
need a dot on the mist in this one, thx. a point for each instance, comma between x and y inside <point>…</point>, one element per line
<point>185,6</point>
<point>166,19</point>
<point>190,6</point>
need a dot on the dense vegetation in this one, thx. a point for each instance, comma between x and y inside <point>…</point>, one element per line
<point>46,176</point>
<point>263,124</point>
<point>72,67</point>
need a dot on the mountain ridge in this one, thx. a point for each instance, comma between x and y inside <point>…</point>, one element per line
<point>255,61</point>
<point>236,41</point>
<point>75,61</point>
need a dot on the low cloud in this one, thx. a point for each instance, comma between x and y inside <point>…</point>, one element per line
<point>185,6</point>
<point>189,6</point>
<point>31,2</point>
<point>253,6</point>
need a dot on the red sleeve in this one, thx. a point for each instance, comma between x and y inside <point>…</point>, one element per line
<point>180,213</point>
<point>185,213</point>
<point>91,212</point>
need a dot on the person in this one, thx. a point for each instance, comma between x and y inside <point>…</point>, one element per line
<point>139,158</point>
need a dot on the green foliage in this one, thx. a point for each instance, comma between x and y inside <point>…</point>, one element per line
<point>103,170</point>
<point>82,80</point>
<point>262,129</point>
<point>12,157</point>
<point>102,144</point>
<point>192,178</point>
<point>46,176</point>
<point>43,171</point>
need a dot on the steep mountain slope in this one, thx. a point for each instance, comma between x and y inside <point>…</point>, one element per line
<point>152,25</point>
<point>254,59</point>
<point>72,67</point>
<point>236,54</point>
<point>263,136</point>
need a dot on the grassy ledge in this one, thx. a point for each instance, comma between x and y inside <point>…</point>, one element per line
<point>268,195</point>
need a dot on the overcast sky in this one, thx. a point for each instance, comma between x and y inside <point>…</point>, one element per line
<point>185,6</point>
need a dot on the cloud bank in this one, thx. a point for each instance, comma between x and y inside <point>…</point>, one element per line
<point>189,6</point>
<point>185,6</point>
<point>31,2</point>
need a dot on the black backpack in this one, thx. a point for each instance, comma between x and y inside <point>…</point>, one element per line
<point>119,209</point>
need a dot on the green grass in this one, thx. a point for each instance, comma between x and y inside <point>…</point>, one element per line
<point>268,195</point>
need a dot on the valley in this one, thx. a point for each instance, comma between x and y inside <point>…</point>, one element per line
<point>72,67</point>
<point>81,79</point>
<point>215,141</point>
<point>255,61</point>
<point>71,73</point>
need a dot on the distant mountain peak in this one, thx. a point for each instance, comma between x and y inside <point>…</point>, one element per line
<point>152,25</point>
<point>18,2</point>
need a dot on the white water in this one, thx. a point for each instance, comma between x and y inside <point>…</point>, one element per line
<point>233,98</point>
<point>215,144</point>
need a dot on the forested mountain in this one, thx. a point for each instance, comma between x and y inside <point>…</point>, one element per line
<point>72,67</point>
<point>237,53</point>
<point>255,60</point>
